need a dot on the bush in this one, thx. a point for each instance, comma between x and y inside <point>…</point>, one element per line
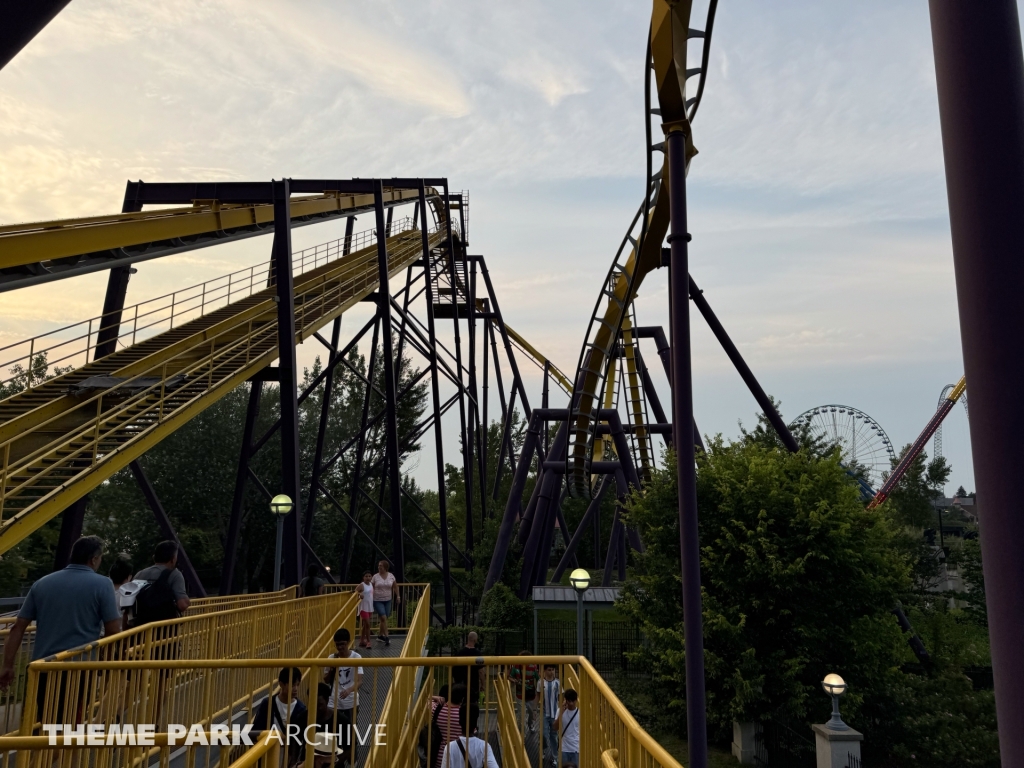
<point>501,609</point>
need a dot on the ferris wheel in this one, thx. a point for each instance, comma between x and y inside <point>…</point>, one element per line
<point>860,438</point>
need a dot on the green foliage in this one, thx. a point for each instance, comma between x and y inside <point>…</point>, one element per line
<point>501,609</point>
<point>798,580</point>
<point>968,558</point>
<point>911,499</point>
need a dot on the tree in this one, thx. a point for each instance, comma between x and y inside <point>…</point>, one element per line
<point>797,580</point>
<point>911,499</point>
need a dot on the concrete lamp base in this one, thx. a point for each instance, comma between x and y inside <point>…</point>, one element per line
<point>834,748</point>
<point>743,742</point>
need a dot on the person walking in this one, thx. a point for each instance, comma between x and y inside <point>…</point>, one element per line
<point>284,709</point>
<point>569,722</point>
<point>312,585</point>
<point>383,594</point>
<point>551,693</point>
<point>344,682</point>
<point>71,607</point>
<point>463,675</point>
<point>121,574</point>
<point>445,714</point>
<point>524,678</point>
<point>365,608</point>
<point>165,596</point>
<point>473,752</point>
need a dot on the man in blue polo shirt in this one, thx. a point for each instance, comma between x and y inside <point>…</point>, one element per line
<point>71,607</point>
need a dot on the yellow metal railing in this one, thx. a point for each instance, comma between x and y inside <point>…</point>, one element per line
<point>402,692</point>
<point>513,748</point>
<point>13,697</point>
<point>217,603</point>
<point>404,605</point>
<point>122,680</point>
<point>609,735</point>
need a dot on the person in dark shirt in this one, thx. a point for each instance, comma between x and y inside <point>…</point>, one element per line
<point>472,678</point>
<point>312,585</point>
<point>282,710</point>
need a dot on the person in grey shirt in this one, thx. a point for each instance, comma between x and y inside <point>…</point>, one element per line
<point>71,607</point>
<point>165,557</point>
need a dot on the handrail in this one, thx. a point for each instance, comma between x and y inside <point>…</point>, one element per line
<point>134,419</point>
<point>513,746</point>
<point>204,687</point>
<point>407,597</point>
<point>214,603</point>
<point>605,723</point>
<point>402,691</point>
<point>74,343</point>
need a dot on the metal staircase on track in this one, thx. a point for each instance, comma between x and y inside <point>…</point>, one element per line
<point>63,437</point>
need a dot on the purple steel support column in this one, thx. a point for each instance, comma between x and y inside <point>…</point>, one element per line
<point>435,397</point>
<point>473,432</point>
<point>613,549</point>
<point>564,528</point>
<point>486,431</point>
<point>515,495</point>
<point>545,404</point>
<point>628,467</point>
<point>227,575</point>
<point>593,508</point>
<point>70,531</point>
<point>980,76</point>
<point>543,561</point>
<point>346,247</point>
<point>467,463</point>
<point>506,426</point>
<point>526,518</point>
<point>321,433</point>
<point>517,380</point>
<point>763,401</point>
<point>167,529</point>
<point>390,391</point>
<point>665,353</point>
<point>542,519</point>
<point>682,419</point>
<point>480,414</point>
<point>22,22</point>
<point>652,396</point>
<point>289,370</point>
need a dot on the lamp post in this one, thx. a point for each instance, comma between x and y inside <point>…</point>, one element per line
<point>280,506</point>
<point>835,687</point>
<point>580,581</point>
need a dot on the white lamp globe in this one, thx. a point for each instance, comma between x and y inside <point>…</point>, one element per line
<point>834,685</point>
<point>580,579</point>
<point>281,504</point>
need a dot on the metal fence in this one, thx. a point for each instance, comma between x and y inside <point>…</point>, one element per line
<point>780,746</point>
<point>607,644</point>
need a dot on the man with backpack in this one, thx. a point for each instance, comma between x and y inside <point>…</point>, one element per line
<point>164,596</point>
<point>473,752</point>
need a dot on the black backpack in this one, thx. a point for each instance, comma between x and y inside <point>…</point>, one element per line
<point>156,601</point>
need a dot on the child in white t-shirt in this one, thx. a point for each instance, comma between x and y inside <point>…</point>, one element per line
<point>365,608</point>
<point>569,723</point>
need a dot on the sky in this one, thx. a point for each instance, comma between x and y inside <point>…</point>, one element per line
<point>817,201</point>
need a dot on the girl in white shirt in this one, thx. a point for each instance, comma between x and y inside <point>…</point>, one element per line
<point>365,608</point>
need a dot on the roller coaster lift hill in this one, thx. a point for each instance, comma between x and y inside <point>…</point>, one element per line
<point>134,381</point>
